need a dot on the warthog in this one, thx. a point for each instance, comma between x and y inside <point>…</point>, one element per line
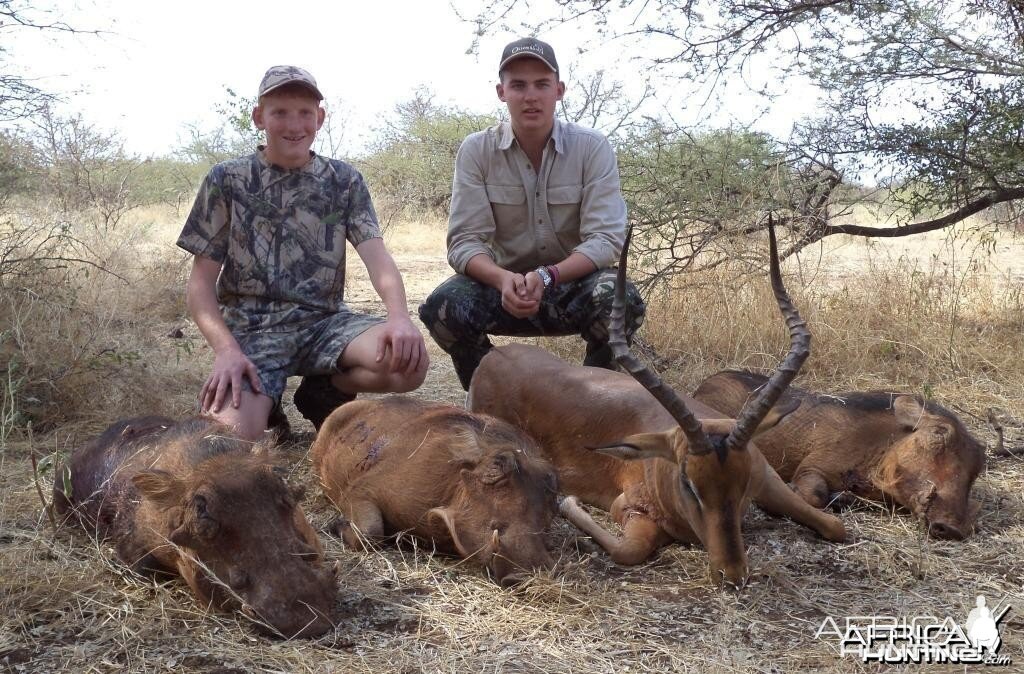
<point>870,444</point>
<point>473,485</point>
<point>189,499</point>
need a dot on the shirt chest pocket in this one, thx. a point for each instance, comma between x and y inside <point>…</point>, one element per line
<point>508,202</point>
<point>564,206</point>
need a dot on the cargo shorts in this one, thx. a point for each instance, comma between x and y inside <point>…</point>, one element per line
<point>308,349</point>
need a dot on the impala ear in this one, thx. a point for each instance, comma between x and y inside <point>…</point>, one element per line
<point>780,411</point>
<point>643,446</point>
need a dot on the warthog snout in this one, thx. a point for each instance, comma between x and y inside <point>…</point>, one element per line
<point>945,531</point>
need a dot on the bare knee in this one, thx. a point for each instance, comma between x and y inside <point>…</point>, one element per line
<point>404,383</point>
<point>248,421</point>
<point>246,429</point>
<point>397,382</point>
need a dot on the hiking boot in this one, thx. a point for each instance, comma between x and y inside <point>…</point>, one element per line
<point>316,398</point>
<point>278,423</point>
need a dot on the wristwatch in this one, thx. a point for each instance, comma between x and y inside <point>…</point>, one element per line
<point>545,276</point>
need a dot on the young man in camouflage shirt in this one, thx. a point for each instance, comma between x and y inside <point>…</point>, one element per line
<point>268,232</point>
<point>537,219</point>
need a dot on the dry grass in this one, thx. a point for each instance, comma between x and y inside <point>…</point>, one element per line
<point>65,606</point>
<point>85,343</point>
<point>901,324</point>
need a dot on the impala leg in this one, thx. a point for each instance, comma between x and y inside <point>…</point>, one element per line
<point>640,536</point>
<point>776,498</point>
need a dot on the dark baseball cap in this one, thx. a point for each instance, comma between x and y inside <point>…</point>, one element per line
<point>278,76</point>
<point>532,48</point>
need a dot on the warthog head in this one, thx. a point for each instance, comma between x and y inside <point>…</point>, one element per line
<point>503,505</point>
<point>250,544</point>
<point>931,467</point>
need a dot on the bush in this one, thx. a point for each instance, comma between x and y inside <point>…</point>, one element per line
<point>693,198</point>
<point>411,168</point>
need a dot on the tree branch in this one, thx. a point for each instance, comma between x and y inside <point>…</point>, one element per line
<point>956,216</point>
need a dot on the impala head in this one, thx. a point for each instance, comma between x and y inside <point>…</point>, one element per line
<point>713,455</point>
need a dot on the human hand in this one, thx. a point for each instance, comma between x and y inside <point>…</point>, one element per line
<point>534,286</point>
<point>408,352</point>
<point>516,297</point>
<point>229,366</point>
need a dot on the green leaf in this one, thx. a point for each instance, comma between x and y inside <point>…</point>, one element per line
<point>45,463</point>
<point>66,480</point>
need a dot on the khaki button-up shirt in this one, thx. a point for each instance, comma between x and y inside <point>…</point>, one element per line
<point>521,218</point>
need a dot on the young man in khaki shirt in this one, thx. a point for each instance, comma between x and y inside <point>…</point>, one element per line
<point>537,220</point>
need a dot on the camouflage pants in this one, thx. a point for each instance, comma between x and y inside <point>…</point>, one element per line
<point>461,312</point>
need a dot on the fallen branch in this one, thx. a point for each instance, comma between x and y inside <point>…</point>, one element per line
<point>47,507</point>
<point>1017,450</point>
<point>1001,449</point>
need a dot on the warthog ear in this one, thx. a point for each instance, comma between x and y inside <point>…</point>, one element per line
<point>643,446</point>
<point>502,465</point>
<point>973,507</point>
<point>443,517</point>
<point>264,446</point>
<point>908,410</point>
<point>160,487</point>
<point>782,409</point>
<point>181,536</point>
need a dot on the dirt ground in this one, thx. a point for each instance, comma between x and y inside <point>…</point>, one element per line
<point>65,605</point>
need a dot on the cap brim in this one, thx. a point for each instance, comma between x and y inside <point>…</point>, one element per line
<point>524,55</point>
<point>302,82</point>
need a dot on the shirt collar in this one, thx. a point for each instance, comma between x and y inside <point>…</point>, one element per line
<point>556,136</point>
<point>506,136</point>
<point>308,167</point>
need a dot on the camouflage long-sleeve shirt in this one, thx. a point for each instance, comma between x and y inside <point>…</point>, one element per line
<point>280,234</point>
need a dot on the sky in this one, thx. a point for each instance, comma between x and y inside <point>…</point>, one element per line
<point>160,66</point>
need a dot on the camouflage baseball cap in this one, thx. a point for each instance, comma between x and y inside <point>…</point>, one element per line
<point>531,47</point>
<point>278,76</point>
